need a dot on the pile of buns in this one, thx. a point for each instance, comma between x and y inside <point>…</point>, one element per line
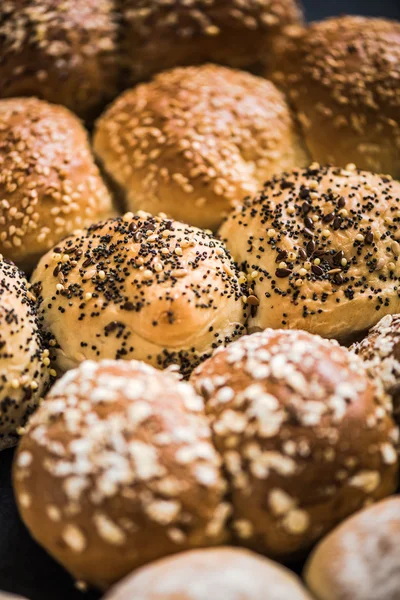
<point>206,325</point>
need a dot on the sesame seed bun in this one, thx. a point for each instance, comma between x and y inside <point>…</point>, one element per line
<point>117,469</point>
<point>360,558</point>
<point>321,248</point>
<point>342,77</point>
<point>64,52</point>
<point>380,351</point>
<point>212,574</point>
<point>139,287</point>
<point>195,141</point>
<point>239,33</point>
<point>49,183</point>
<point>24,363</point>
<point>306,437</point>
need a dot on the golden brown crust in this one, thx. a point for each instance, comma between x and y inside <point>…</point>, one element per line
<point>49,183</point>
<point>360,558</point>
<point>64,52</point>
<point>140,287</point>
<point>321,247</point>
<point>237,33</point>
<point>211,574</point>
<point>342,77</point>
<point>306,437</point>
<point>117,469</point>
<point>196,140</point>
<point>25,373</point>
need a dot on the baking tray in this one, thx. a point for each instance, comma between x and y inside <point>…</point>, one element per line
<point>25,568</point>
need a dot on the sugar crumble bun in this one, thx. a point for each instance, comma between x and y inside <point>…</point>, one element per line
<point>194,141</point>
<point>161,35</point>
<point>140,287</point>
<point>49,183</point>
<point>321,249</point>
<point>25,371</point>
<point>342,78</point>
<point>359,559</point>
<point>117,469</point>
<point>211,574</point>
<point>305,436</point>
<point>64,52</point>
<point>380,351</point>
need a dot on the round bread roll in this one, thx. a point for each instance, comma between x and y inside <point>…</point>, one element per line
<point>342,77</point>
<point>360,558</point>
<point>117,469</point>
<point>212,574</point>
<point>49,183</point>
<point>321,249</point>
<point>380,351</point>
<point>24,362</point>
<point>64,53</point>
<point>196,140</point>
<point>306,437</point>
<point>239,33</point>
<point>139,287</point>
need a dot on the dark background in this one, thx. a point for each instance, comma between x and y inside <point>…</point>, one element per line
<point>24,567</point>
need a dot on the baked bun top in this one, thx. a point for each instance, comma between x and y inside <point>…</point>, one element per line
<point>140,287</point>
<point>342,76</point>
<point>62,53</point>
<point>322,248</point>
<point>196,140</point>
<point>224,573</point>
<point>49,183</point>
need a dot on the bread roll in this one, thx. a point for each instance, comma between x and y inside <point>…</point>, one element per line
<point>49,184</point>
<point>306,437</point>
<point>64,53</point>
<point>195,141</point>
<point>321,247</point>
<point>160,35</point>
<point>380,351</point>
<point>342,77</point>
<point>212,574</point>
<point>139,287</point>
<point>24,362</point>
<point>117,469</point>
<point>360,558</point>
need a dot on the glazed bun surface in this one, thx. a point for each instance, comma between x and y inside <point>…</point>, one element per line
<point>321,247</point>
<point>64,53</point>
<point>360,558</point>
<point>380,351</point>
<point>342,76</point>
<point>49,183</point>
<point>24,362</point>
<point>194,141</point>
<point>139,287</point>
<point>162,35</point>
<point>212,574</point>
<point>117,469</point>
<point>306,437</point>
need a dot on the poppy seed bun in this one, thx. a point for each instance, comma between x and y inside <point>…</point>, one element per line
<point>49,183</point>
<point>139,287</point>
<point>342,77</point>
<point>196,140</point>
<point>117,469</point>
<point>24,362</point>
<point>380,351</point>
<point>321,247</point>
<point>211,574</point>
<point>360,558</point>
<point>63,52</point>
<point>306,437</point>
<point>238,33</point>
